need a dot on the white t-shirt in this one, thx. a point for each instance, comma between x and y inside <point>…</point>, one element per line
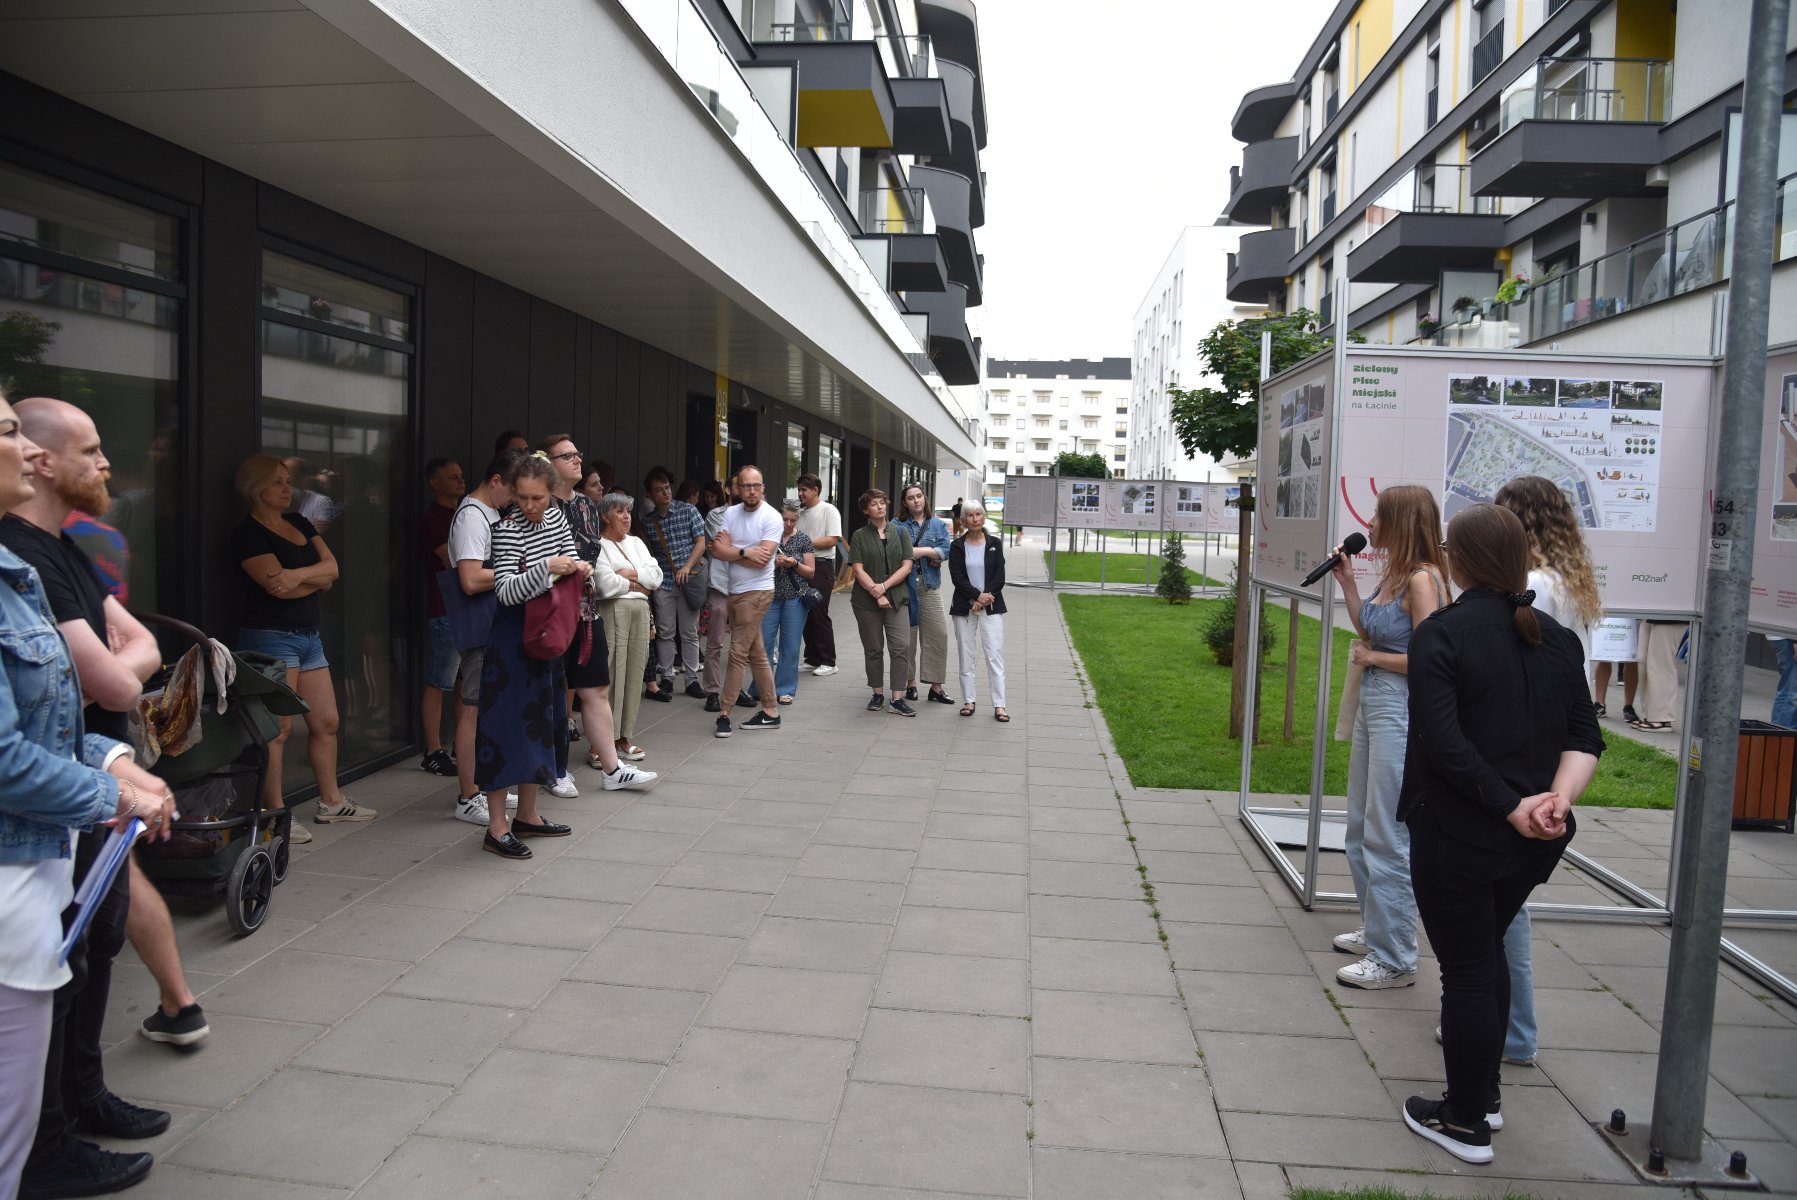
<point>747,529</point>
<point>822,520</point>
<point>471,533</point>
<point>1552,598</point>
<point>32,897</point>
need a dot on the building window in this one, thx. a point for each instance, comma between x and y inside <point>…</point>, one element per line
<point>1488,37</point>
<point>1432,79</point>
<point>829,468</point>
<point>91,295</point>
<point>1123,410</point>
<point>795,458</point>
<point>1063,422</point>
<point>1042,420</point>
<point>336,404</point>
<point>1088,422</point>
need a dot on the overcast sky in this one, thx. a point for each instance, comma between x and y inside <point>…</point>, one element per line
<point>1108,133</point>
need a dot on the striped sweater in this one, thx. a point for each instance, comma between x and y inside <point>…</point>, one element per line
<point>521,554</point>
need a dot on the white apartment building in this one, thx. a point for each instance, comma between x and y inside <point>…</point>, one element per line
<point>1038,408</point>
<point>1181,307</point>
<point>1506,173</point>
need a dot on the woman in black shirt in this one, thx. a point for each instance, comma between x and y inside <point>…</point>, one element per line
<point>285,565</point>
<point>1503,740</point>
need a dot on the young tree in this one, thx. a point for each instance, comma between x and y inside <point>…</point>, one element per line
<point>1224,421</point>
<point>1173,586</point>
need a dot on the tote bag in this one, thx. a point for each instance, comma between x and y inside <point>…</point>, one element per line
<point>550,619</point>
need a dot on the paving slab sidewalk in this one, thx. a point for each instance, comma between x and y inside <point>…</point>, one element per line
<point>865,957</point>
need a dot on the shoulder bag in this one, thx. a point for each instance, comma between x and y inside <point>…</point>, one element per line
<point>698,580</point>
<point>549,619</point>
<point>470,617</point>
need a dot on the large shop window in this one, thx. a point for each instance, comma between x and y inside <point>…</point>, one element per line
<point>336,404</point>
<point>829,470</point>
<point>795,458</point>
<point>90,312</point>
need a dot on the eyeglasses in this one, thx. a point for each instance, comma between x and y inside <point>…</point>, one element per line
<point>751,487</point>
<point>567,456</point>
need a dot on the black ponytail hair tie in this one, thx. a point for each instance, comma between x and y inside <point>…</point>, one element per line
<point>1520,599</point>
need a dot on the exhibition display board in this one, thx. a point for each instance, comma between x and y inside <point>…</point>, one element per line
<point>1291,520</point>
<point>1144,505</point>
<point>1772,605</point>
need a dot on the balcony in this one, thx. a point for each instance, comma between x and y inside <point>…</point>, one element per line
<point>963,157</point>
<point>1488,52</point>
<point>900,231</point>
<point>1258,266</point>
<point>954,351</point>
<point>1425,222</point>
<point>1261,181</point>
<point>920,119</point>
<point>950,196</point>
<point>845,97</point>
<point>1258,116</point>
<point>953,27</point>
<point>1587,128</point>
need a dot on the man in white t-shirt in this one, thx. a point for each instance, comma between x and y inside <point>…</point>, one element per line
<point>745,545</point>
<point>470,546</point>
<point>820,521</point>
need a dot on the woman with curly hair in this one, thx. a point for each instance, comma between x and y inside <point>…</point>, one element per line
<point>1565,587</point>
<point>1406,525</point>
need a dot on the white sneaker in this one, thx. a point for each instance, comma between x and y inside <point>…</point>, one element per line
<point>822,671</point>
<point>1371,975</point>
<point>626,776</point>
<point>1351,943</point>
<point>472,809</point>
<point>511,802</point>
<point>563,787</point>
<point>806,668</point>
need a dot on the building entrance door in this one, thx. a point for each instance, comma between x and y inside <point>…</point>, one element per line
<point>700,463</point>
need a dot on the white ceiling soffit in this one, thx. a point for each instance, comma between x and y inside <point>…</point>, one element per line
<point>270,88</point>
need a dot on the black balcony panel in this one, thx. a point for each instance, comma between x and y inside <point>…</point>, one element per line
<point>963,156</point>
<point>953,27</point>
<point>1588,160</point>
<point>1415,247</point>
<point>1488,52</point>
<point>950,197</point>
<point>917,263</point>
<point>1258,116</point>
<point>954,351</point>
<point>845,98</point>
<point>1259,265</point>
<point>920,117</point>
<point>1260,183</point>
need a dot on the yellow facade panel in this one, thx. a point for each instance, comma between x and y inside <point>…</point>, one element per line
<point>842,117</point>
<point>1365,39</point>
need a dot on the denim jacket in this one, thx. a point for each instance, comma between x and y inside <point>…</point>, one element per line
<point>931,534</point>
<point>44,791</point>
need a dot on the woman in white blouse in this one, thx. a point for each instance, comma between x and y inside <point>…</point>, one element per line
<point>626,576</point>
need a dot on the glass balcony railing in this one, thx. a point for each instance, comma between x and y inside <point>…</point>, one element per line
<point>896,210</point>
<point>1429,189</point>
<point>1589,89</point>
<point>806,21</point>
<point>907,57</point>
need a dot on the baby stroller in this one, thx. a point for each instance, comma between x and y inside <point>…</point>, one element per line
<point>226,843</point>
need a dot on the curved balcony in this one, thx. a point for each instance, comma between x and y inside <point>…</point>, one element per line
<point>1260,183</point>
<point>1259,265</point>
<point>1258,116</point>
<point>963,156</point>
<point>953,349</point>
<point>954,27</point>
<point>950,196</point>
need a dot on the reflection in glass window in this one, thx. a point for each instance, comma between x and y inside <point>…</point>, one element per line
<point>795,458</point>
<point>336,408</point>
<point>829,467</point>
<point>42,213</point>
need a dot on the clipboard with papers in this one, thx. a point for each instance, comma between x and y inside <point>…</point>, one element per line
<point>98,882</point>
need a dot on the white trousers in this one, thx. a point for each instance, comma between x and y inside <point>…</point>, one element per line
<point>988,628</point>
<point>24,1040</point>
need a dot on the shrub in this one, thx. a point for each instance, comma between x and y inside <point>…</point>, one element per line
<point>1219,631</point>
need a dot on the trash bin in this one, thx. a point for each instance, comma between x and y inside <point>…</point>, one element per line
<point>1766,777</point>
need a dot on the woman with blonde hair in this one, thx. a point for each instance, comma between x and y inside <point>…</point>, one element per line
<point>1406,525</point>
<point>1565,587</point>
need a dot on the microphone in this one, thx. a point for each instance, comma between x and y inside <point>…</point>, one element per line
<point>1354,543</point>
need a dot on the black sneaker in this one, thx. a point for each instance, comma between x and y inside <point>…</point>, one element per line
<point>899,708</point>
<point>744,700</point>
<point>877,703</point>
<point>712,704</point>
<point>695,691</point>
<point>1429,1119</point>
<point>723,729</point>
<point>438,762</point>
<point>762,721</point>
<point>1629,714</point>
<point>183,1029</point>
<point>1600,710</point>
<point>77,1168</point>
<point>505,847</point>
<point>109,1116</point>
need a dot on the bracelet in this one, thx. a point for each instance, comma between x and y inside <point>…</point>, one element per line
<point>133,787</point>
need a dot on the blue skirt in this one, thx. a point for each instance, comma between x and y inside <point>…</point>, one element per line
<point>522,736</point>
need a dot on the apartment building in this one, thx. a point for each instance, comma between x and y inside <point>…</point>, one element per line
<point>1169,324</point>
<point>1039,408</point>
<point>362,234</point>
<point>1507,173</point>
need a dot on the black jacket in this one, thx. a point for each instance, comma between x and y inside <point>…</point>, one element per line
<point>1489,718</point>
<point>965,593</point>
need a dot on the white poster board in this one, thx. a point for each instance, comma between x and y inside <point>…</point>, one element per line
<point>1080,503</point>
<point>1772,604</point>
<point>1188,507</point>
<point>1221,514</point>
<point>1615,640</point>
<point>1133,503</point>
<point>1296,472</point>
<point>1029,500</point>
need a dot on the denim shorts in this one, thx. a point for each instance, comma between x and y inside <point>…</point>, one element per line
<point>299,648</point>
<point>441,660</point>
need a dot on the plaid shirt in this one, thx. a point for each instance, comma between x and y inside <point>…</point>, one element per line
<point>670,539</point>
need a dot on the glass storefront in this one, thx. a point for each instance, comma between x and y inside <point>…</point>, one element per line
<point>336,402</point>
<point>829,469</point>
<point>91,300</point>
<point>795,458</point>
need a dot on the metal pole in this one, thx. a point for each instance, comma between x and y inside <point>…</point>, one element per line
<point>1054,529</point>
<point>1697,901</point>
<point>1204,572</point>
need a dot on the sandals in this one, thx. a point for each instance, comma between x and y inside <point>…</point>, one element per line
<point>786,699</point>
<point>967,709</point>
<point>1651,726</point>
<point>999,714</point>
<point>595,762</point>
<point>631,752</point>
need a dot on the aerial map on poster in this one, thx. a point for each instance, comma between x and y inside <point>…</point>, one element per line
<point>1301,481</point>
<point>1599,439</point>
<point>1132,504</point>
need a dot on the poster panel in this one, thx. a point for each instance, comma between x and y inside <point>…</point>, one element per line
<point>1029,500</point>
<point>1772,604</point>
<point>1221,514</point>
<point>1626,439</point>
<point>1133,503</point>
<point>1188,507</point>
<point>1296,472</point>
<point>1080,503</point>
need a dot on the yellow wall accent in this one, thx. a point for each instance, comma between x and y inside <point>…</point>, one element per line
<point>1454,79</point>
<point>841,117</point>
<point>719,451</point>
<point>1373,18</point>
<point>1644,29</point>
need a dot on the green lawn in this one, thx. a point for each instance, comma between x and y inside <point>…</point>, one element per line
<point>1082,567</point>
<point>1167,704</point>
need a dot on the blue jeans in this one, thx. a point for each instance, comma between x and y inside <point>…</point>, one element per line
<point>1519,1034</point>
<point>300,649</point>
<point>1378,843</point>
<point>1784,700</point>
<point>782,631</point>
